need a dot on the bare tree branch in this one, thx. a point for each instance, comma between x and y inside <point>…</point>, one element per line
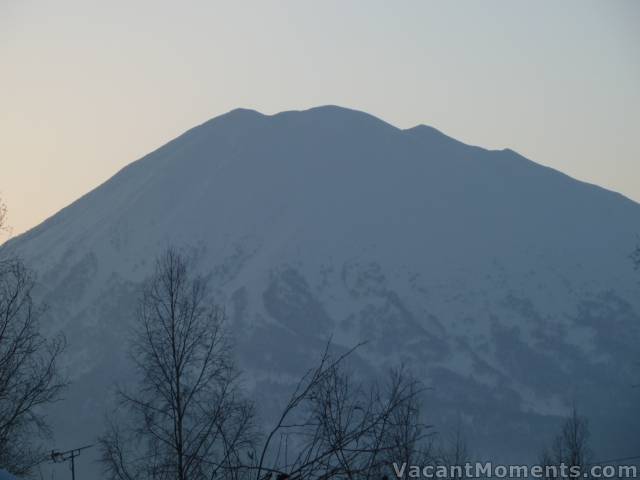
<point>29,374</point>
<point>187,418</point>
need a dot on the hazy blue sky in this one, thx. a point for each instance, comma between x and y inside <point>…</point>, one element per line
<point>89,86</point>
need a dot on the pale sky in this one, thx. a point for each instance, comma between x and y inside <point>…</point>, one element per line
<point>90,86</point>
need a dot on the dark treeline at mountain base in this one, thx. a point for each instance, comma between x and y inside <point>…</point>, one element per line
<point>188,417</point>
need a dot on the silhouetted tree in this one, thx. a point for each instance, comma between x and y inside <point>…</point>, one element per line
<point>635,257</point>
<point>186,419</point>
<point>406,438</point>
<point>336,427</point>
<point>569,447</point>
<point>3,215</point>
<point>454,452</point>
<point>29,374</point>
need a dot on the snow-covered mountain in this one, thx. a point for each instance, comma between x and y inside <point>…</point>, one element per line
<point>506,284</point>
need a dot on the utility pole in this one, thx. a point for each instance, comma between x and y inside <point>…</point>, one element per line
<point>69,455</point>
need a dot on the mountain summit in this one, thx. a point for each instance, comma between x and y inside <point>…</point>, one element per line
<point>505,284</point>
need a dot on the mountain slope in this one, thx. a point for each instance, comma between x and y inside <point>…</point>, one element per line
<point>506,284</point>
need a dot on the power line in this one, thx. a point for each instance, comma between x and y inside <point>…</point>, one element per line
<point>615,460</point>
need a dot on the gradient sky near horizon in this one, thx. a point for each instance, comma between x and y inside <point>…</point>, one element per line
<point>90,86</point>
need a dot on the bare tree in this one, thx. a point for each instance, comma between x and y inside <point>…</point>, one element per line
<point>453,453</point>
<point>570,447</point>
<point>3,215</point>
<point>3,224</point>
<point>29,374</point>
<point>407,438</point>
<point>187,418</point>
<point>336,427</point>
<point>635,257</point>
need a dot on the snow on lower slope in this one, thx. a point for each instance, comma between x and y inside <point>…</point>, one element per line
<point>506,284</point>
